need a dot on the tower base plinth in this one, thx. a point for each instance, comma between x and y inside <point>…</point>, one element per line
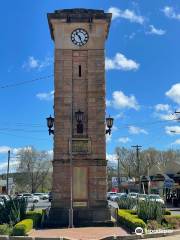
<point>94,216</point>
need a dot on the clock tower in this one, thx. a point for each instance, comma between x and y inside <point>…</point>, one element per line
<point>79,164</point>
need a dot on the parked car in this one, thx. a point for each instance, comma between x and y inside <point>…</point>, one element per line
<point>4,196</point>
<point>19,195</point>
<point>1,201</point>
<point>31,198</point>
<point>133,195</point>
<point>155,198</point>
<point>50,196</point>
<point>119,196</point>
<point>43,196</point>
<point>110,194</point>
<point>142,197</point>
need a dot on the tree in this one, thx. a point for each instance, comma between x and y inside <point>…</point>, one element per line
<point>33,168</point>
<point>152,161</point>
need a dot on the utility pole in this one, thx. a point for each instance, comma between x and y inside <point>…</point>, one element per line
<point>138,147</point>
<point>7,176</point>
<point>177,112</point>
<point>118,173</point>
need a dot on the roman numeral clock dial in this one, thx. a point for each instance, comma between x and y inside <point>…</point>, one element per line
<point>79,37</point>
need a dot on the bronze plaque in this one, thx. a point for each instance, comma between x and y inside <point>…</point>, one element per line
<point>79,204</point>
<point>80,183</point>
<point>81,146</point>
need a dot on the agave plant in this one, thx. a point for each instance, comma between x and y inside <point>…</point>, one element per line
<point>127,203</point>
<point>12,211</point>
<point>148,210</point>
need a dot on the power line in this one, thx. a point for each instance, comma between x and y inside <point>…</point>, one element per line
<point>25,82</point>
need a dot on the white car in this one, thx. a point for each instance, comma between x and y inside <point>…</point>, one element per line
<point>142,197</point>
<point>155,198</point>
<point>133,195</point>
<point>43,196</point>
<point>110,194</point>
<point>118,196</point>
<point>4,196</point>
<point>31,198</point>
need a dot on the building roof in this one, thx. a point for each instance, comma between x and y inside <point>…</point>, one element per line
<point>78,15</point>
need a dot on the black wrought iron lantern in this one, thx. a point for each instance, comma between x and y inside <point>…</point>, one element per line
<point>50,124</point>
<point>79,118</point>
<point>109,123</point>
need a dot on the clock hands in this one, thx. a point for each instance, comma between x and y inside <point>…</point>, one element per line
<point>79,37</point>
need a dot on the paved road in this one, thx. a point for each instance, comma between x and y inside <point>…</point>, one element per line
<point>41,204</point>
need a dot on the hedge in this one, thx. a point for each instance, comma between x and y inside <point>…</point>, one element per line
<point>21,228</point>
<point>36,216</point>
<point>5,229</point>
<point>130,221</point>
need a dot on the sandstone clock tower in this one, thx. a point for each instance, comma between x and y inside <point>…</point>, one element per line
<point>79,165</point>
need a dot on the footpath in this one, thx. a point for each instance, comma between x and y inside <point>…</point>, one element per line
<point>86,233</point>
<point>177,237</point>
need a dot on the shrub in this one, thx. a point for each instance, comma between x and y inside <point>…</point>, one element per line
<point>12,211</point>
<point>128,203</point>
<point>172,221</point>
<point>130,221</point>
<point>5,229</point>
<point>153,225</point>
<point>21,228</point>
<point>148,210</point>
<point>36,217</point>
<point>167,212</point>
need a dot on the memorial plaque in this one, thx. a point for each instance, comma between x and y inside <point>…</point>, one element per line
<point>80,176</point>
<point>81,146</point>
<point>79,204</point>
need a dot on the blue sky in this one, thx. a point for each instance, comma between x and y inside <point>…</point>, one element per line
<point>142,72</point>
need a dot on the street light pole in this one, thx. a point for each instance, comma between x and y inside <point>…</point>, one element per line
<point>138,147</point>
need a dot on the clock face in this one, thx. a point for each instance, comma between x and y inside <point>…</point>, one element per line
<point>79,37</point>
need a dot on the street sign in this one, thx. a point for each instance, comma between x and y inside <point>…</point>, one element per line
<point>168,183</point>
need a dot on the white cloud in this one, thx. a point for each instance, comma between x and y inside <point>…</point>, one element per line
<point>108,103</point>
<point>50,152</point>
<point>114,128</point>
<point>174,93</point>
<point>108,138</point>
<point>156,31</point>
<point>127,14</point>
<point>137,130</point>
<point>171,13</point>
<point>120,100</point>
<point>172,130</point>
<point>177,142</point>
<point>120,62</point>
<point>111,157</point>
<point>163,112</point>
<point>162,107</point>
<point>33,63</point>
<point>45,96</point>
<point>119,116</point>
<point>124,140</point>
<point>165,116</point>
<point>13,164</point>
<point>4,149</point>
